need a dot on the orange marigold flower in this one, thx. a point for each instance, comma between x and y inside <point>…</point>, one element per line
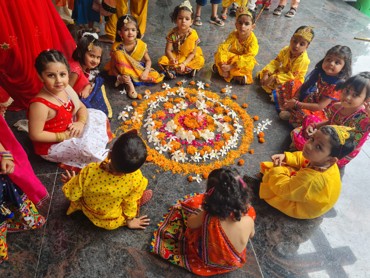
<point>223,90</point>
<point>205,175</point>
<point>191,150</point>
<point>234,97</point>
<point>261,140</point>
<point>149,158</point>
<point>226,136</point>
<point>207,85</point>
<point>139,96</point>
<point>167,105</point>
<point>256,118</point>
<point>251,151</point>
<point>175,145</point>
<point>261,134</point>
<point>147,91</point>
<point>163,142</point>
<point>219,110</point>
<point>190,179</point>
<point>128,122</point>
<point>161,135</point>
<point>227,119</point>
<point>192,82</point>
<point>134,104</point>
<point>179,83</point>
<point>245,105</point>
<point>241,162</point>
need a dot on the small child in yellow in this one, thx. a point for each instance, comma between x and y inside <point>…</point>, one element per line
<point>235,57</point>
<point>290,64</point>
<point>183,55</point>
<point>109,193</point>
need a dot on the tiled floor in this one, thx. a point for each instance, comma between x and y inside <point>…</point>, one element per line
<point>335,245</point>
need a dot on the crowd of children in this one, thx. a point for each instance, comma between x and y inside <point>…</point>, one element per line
<point>204,233</point>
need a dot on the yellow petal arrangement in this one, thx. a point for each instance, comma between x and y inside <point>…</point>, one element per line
<point>189,130</point>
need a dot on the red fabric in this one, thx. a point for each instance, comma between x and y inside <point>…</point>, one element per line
<point>82,79</point>
<point>27,28</point>
<point>59,123</point>
<point>23,175</point>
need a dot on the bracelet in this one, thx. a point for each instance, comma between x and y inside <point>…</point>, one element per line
<point>60,136</point>
<point>7,155</point>
<point>297,104</point>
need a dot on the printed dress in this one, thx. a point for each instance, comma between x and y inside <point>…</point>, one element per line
<point>232,51</point>
<point>298,190</point>
<point>131,64</point>
<point>107,200</point>
<point>285,69</point>
<point>182,47</point>
<point>194,249</point>
<point>357,120</point>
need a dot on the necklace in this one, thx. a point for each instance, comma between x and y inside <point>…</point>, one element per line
<point>66,104</point>
<point>343,118</point>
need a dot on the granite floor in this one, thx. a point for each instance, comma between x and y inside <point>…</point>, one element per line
<point>335,245</point>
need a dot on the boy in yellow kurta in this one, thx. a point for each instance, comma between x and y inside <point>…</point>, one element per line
<point>183,55</point>
<point>290,64</point>
<point>235,57</point>
<point>109,193</point>
<point>307,184</point>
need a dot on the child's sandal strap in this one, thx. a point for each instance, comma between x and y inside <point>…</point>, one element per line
<point>291,12</point>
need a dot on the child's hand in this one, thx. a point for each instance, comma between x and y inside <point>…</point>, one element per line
<point>264,79</point>
<point>144,75</point>
<point>7,167</point>
<point>75,129</point>
<point>138,223</point>
<point>225,67</point>
<point>310,130</point>
<point>182,67</point>
<point>174,61</point>
<point>278,159</point>
<point>289,104</point>
<point>69,175</point>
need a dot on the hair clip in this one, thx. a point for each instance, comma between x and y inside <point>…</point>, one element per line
<point>186,4</point>
<point>95,35</point>
<point>239,178</point>
<point>90,46</point>
<point>126,19</point>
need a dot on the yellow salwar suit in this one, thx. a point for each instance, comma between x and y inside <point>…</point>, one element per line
<point>130,64</point>
<point>297,190</point>
<point>138,9</point>
<point>242,54</point>
<point>285,68</point>
<point>181,50</point>
<point>108,200</point>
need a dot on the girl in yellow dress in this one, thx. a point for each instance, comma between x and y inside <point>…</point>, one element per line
<point>235,57</point>
<point>130,61</point>
<point>183,55</point>
<point>307,184</point>
<point>109,193</point>
<point>290,64</point>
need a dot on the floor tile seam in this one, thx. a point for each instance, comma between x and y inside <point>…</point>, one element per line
<point>255,255</point>
<point>44,228</point>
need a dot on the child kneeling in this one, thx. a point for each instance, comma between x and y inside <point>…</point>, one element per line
<point>109,193</point>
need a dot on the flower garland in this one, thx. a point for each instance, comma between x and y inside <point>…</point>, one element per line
<point>189,129</point>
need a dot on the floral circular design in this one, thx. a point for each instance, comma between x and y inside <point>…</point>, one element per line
<point>190,130</point>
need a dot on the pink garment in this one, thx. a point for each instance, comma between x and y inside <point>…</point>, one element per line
<point>23,175</point>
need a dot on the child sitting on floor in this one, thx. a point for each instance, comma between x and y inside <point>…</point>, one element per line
<point>319,91</point>
<point>60,127</point>
<point>307,184</point>
<point>84,76</point>
<point>183,55</point>
<point>235,57</point>
<point>207,234</point>
<point>290,64</point>
<point>353,111</point>
<point>130,61</point>
<point>109,193</point>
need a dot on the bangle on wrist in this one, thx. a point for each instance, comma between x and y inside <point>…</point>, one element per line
<point>6,155</point>
<point>60,136</point>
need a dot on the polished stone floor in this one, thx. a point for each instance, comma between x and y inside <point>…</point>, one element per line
<point>335,245</point>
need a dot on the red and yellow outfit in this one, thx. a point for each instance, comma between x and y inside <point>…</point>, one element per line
<point>242,54</point>
<point>285,69</point>
<point>204,251</point>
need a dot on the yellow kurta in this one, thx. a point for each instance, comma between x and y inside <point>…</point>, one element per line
<point>129,64</point>
<point>232,51</point>
<point>107,200</point>
<point>285,68</point>
<point>300,192</point>
<point>182,50</point>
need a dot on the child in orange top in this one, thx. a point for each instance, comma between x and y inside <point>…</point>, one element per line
<point>235,57</point>
<point>290,64</point>
<point>183,55</point>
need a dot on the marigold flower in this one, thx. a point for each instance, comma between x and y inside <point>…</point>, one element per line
<point>256,118</point>
<point>245,105</point>
<point>205,175</point>
<point>234,97</point>
<point>223,90</point>
<point>190,179</point>
<point>241,162</point>
<point>261,134</point>
<point>251,151</point>
<point>261,140</point>
<point>207,85</point>
<point>139,96</point>
<point>192,82</point>
<point>179,83</point>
